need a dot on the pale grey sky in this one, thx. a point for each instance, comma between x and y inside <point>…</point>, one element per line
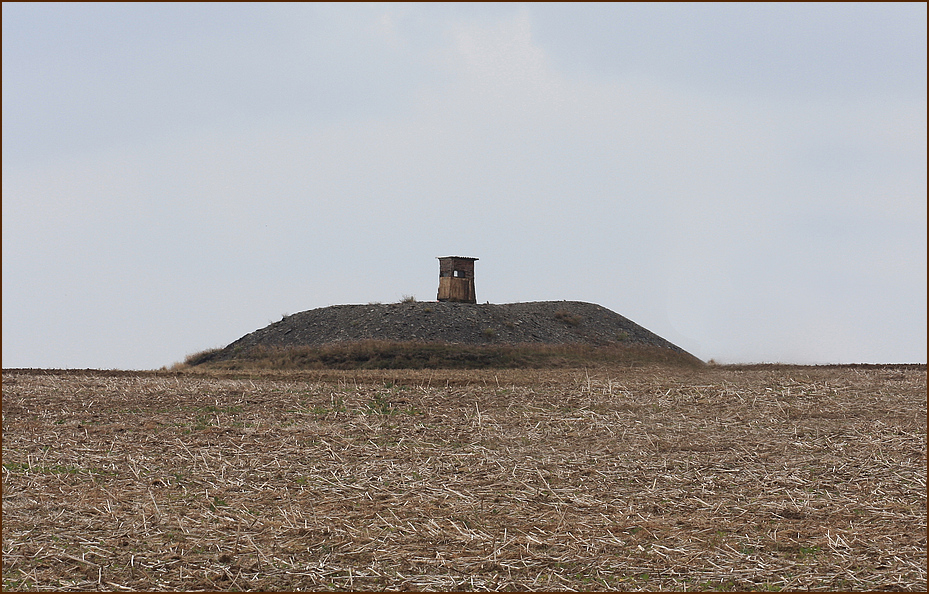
<point>745,180</point>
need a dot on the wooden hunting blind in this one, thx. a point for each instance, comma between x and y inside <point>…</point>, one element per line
<point>456,279</point>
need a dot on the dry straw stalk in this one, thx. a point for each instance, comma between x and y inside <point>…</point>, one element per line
<point>610,479</point>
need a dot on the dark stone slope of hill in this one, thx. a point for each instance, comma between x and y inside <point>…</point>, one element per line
<point>543,322</point>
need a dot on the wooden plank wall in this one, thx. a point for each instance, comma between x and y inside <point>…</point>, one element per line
<point>456,289</point>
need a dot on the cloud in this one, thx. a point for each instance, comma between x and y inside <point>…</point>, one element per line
<point>785,52</point>
<point>730,223</point>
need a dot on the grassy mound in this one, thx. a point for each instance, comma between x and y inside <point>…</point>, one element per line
<point>374,354</point>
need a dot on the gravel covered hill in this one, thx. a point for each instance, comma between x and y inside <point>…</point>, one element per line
<point>543,322</point>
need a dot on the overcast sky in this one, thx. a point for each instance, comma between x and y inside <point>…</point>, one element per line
<point>747,181</point>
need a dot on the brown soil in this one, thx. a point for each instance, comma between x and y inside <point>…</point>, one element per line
<point>653,478</point>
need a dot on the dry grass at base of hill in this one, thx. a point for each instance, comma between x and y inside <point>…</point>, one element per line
<point>611,479</point>
<point>382,354</point>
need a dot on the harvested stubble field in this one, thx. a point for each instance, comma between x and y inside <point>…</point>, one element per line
<point>649,478</point>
